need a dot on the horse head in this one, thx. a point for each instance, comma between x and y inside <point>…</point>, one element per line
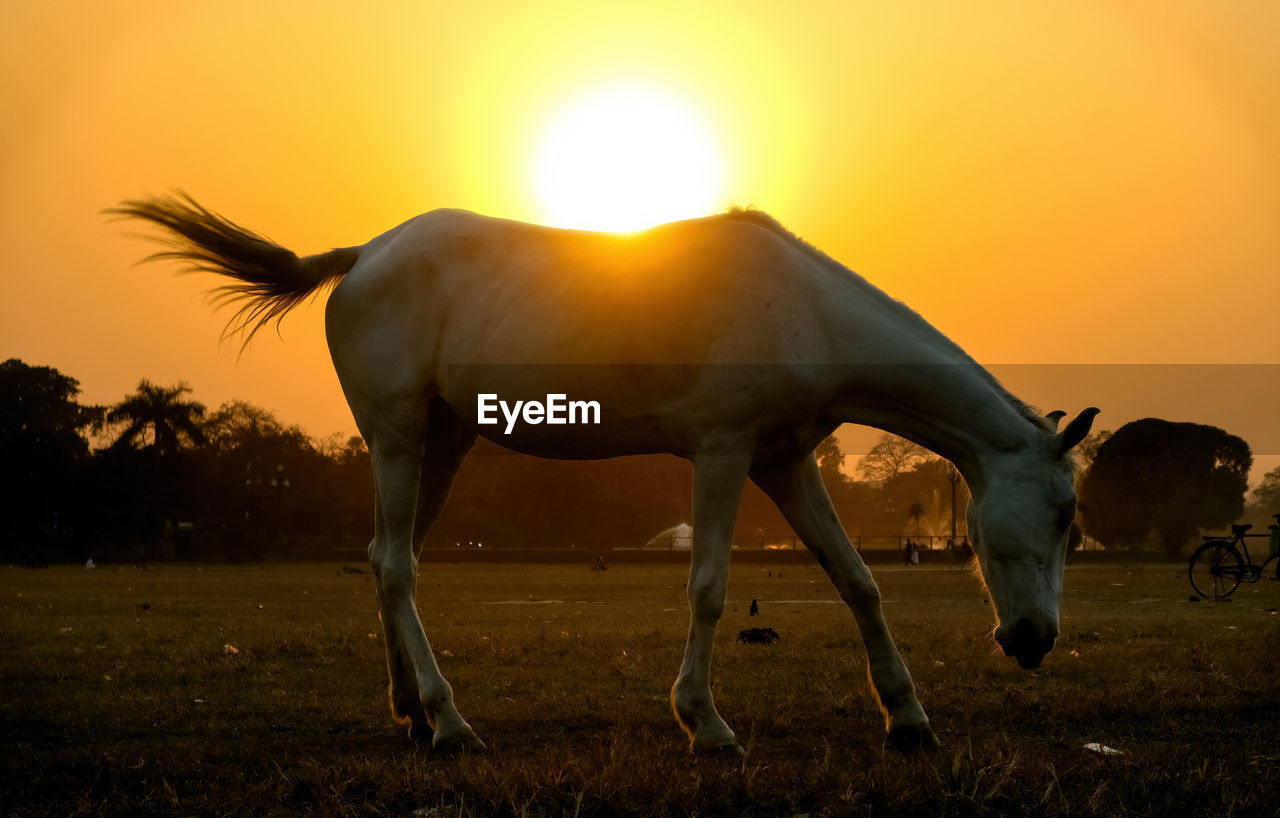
<point>1019,519</point>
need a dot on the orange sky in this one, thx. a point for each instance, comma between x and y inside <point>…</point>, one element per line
<point>1065,183</point>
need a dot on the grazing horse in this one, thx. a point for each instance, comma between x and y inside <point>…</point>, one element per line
<point>725,340</point>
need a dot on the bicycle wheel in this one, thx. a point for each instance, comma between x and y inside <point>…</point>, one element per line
<point>1216,569</point>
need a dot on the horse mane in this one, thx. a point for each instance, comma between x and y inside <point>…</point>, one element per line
<point>762,219</point>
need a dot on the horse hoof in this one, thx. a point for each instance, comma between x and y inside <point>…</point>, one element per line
<point>461,743</point>
<point>912,738</point>
<point>729,750</point>
<point>421,734</point>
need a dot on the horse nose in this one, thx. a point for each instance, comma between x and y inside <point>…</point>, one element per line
<point>1026,642</point>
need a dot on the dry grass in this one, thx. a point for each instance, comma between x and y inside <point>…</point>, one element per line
<point>119,695</point>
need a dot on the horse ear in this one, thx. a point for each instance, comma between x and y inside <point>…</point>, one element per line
<point>1075,431</point>
<point>1055,416</point>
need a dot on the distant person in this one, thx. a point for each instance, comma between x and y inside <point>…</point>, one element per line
<point>755,608</point>
<point>965,551</point>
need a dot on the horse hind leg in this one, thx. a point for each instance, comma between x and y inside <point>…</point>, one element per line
<point>414,463</point>
<point>406,705</point>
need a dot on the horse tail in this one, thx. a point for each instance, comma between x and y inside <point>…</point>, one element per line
<point>269,280</point>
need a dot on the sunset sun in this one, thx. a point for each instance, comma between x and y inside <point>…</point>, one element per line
<point>624,158</point>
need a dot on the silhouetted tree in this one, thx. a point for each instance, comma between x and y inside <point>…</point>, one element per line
<point>830,461</point>
<point>1087,450</point>
<point>915,512</point>
<point>1267,494</point>
<point>159,478</point>
<point>42,448</point>
<point>348,485</point>
<point>1265,500</point>
<point>1170,478</point>
<point>919,485</point>
<point>855,503</point>
<point>269,485</point>
<point>171,419</point>
<point>510,500</point>
<point>890,457</point>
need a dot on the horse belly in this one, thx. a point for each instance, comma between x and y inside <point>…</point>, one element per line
<point>599,411</point>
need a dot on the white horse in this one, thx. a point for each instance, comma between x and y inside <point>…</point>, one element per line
<point>725,340</point>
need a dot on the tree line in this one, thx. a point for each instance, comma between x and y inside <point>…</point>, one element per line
<point>158,475</point>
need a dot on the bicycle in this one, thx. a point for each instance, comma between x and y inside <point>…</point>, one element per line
<point>1218,567</point>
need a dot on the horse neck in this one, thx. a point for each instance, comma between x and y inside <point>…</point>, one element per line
<point>944,401</point>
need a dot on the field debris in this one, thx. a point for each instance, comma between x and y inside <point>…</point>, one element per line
<point>758,636</point>
<point>230,650</point>
<point>1102,749</point>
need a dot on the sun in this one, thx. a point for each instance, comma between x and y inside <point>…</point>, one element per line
<point>623,158</point>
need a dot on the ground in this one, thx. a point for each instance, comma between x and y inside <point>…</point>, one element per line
<point>248,690</point>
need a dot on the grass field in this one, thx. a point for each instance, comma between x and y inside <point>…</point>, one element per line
<point>252,690</point>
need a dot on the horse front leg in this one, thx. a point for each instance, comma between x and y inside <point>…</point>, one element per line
<point>798,491</point>
<point>717,491</point>
<point>412,485</point>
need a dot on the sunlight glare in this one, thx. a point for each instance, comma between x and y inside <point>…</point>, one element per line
<point>624,158</point>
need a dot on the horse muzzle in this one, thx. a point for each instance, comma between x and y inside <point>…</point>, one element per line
<point>1026,642</point>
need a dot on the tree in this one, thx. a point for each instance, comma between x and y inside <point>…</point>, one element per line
<point>155,473</point>
<point>171,419</point>
<point>1267,495</point>
<point>890,457</point>
<point>919,485</point>
<point>1087,450</point>
<point>269,484</point>
<point>854,502</point>
<point>915,512</point>
<point>830,461</point>
<point>42,447</point>
<point>1169,478</point>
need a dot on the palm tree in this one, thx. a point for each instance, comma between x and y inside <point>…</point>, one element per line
<point>162,410</point>
<point>915,512</point>
<point>157,421</point>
